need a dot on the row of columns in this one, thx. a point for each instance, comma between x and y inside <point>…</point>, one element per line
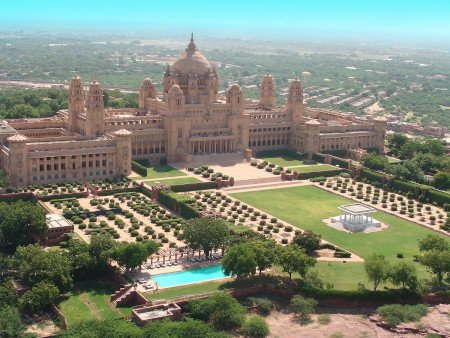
<point>212,147</point>
<point>147,148</point>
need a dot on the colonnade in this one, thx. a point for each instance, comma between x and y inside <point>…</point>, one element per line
<point>212,147</point>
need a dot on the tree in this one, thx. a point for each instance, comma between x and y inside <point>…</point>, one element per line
<point>205,234</point>
<point>239,260</point>
<point>292,259</point>
<point>433,242</point>
<point>130,255</point>
<point>377,269</point>
<point>152,247</point>
<point>8,295</point>
<point>101,248</point>
<point>255,327</point>
<point>396,141</point>
<point>83,265</point>
<point>35,265</point>
<point>186,328</point>
<point>265,253</point>
<point>39,297</point>
<point>303,307</point>
<point>404,274</point>
<point>308,240</point>
<point>10,323</point>
<point>441,180</point>
<point>221,310</point>
<point>3,178</point>
<point>438,262</point>
<point>103,328</point>
<point>20,223</point>
<point>374,161</point>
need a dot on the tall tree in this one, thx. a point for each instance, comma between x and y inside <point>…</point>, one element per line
<point>438,262</point>
<point>39,298</point>
<point>404,274</point>
<point>20,223</point>
<point>265,253</point>
<point>433,242</point>
<point>308,240</point>
<point>130,255</point>
<point>10,323</point>
<point>35,265</point>
<point>205,234</point>
<point>292,259</point>
<point>240,260</point>
<point>377,269</point>
<point>101,248</point>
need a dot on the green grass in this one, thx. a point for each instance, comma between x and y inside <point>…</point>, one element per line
<point>306,206</point>
<point>161,171</point>
<point>173,181</point>
<point>184,290</point>
<point>91,299</point>
<point>282,160</point>
<point>313,168</point>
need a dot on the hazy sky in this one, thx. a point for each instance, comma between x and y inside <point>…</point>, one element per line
<point>408,19</point>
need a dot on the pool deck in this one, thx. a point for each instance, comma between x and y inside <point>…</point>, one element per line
<point>183,264</point>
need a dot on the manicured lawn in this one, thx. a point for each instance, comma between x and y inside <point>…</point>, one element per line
<point>172,181</point>
<point>306,206</point>
<point>313,168</point>
<point>161,171</point>
<point>283,160</point>
<point>91,300</point>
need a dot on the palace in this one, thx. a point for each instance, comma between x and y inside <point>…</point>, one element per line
<point>185,121</point>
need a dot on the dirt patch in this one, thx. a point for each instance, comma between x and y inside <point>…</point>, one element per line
<point>350,325</point>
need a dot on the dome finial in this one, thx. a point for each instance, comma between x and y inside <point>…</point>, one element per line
<point>191,45</point>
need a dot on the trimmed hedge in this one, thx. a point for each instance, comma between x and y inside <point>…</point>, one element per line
<point>139,168</point>
<point>372,175</point>
<point>193,186</point>
<point>326,173</point>
<point>118,190</point>
<point>178,203</point>
<point>318,158</point>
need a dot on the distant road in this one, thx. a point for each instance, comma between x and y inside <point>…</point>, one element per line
<point>48,85</point>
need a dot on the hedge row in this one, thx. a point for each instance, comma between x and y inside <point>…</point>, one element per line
<point>371,175</point>
<point>178,203</point>
<point>318,158</point>
<point>139,168</point>
<point>281,152</point>
<point>362,295</point>
<point>118,190</point>
<point>341,163</point>
<point>47,198</point>
<point>193,186</point>
<point>326,173</point>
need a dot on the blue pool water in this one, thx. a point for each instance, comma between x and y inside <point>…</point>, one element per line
<point>190,276</point>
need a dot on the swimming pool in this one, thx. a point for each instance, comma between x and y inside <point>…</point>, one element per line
<point>190,276</point>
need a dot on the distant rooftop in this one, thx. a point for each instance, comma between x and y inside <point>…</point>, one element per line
<point>57,221</point>
<point>356,209</point>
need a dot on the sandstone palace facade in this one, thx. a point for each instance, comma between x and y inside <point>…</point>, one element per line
<point>186,120</point>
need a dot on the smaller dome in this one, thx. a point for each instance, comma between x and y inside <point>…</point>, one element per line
<point>234,87</point>
<point>122,132</point>
<point>175,89</point>
<point>147,81</point>
<point>17,138</point>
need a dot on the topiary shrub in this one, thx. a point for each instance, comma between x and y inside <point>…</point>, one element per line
<point>255,327</point>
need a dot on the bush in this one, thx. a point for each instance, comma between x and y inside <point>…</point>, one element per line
<point>263,305</point>
<point>255,327</point>
<point>396,314</point>
<point>303,307</point>
<point>324,319</point>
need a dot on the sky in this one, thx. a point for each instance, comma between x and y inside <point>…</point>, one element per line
<point>400,19</point>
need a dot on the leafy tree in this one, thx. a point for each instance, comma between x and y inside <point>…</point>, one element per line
<point>20,223</point>
<point>292,259</point>
<point>221,310</point>
<point>377,269</point>
<point>103,328</point>
<point>130,255</point>
<point>205,234</point>
<point>152,247</point>
<point>10,323</point>
<point>35,265</point>
<point>8,295</point>
<point>101,248</point>
<point>3,178</point>
<point>313,280</point>
<point>186,328</point>
<point>240,260</point>
<point>438,262</point>
<point>303,307</point>
<point>265,253</point>
<point>441,180</point>
<point>404,274</point>
<point>396,141</point>
<point>433,242</point>
<point>83,265</point>
<point>256,327</point>
<point>374,161</point>
<point>408,150</point>
<point>308,240</point>
<point>39,297</point>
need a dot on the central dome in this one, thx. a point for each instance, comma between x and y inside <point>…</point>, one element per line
<point>191,61</point>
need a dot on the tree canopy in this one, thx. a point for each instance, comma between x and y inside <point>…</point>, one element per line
<point>377,269</point>
<point>205,234</point>
<point>292,259</point>
<point>239,260</point>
